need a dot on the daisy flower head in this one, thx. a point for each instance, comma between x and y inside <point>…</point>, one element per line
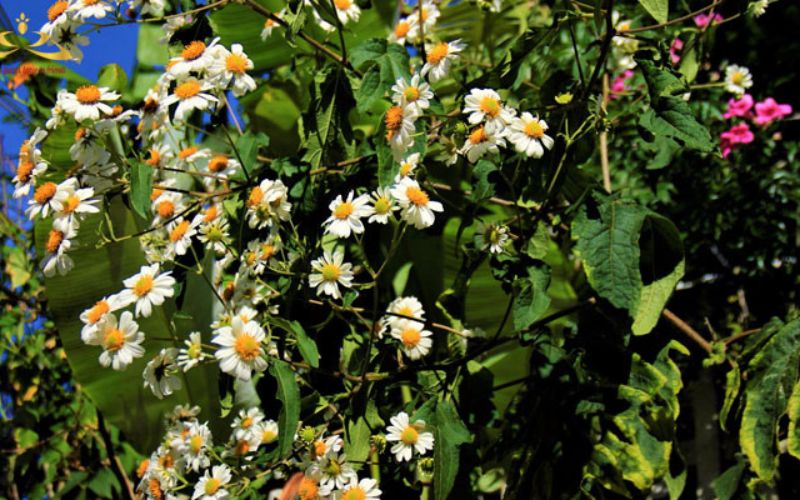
<point>246,422</point>
<point>737,79</point>
<point>190,94</point>
<point>56,246</point>
<point>73,203</point>
<point>267,204</point>
<point>400,129</point>
<point>94,316</point>
<point>28,171</point>
<point>214,233</point>
<point>364,489</point>
<point>347,10</point>
<point>439,58</point>
<point>416,93</point>
<point>191,355</point>
<point>44,200</point>
<point>346,215</point>
<point>88,149</point>
<point>192,443</point>
<point>429,15</point>
<point>408,437</point>
<point>212,486</point>
<point>407,167</point>
<point>180,235</point>
<point>188,156</point>
<point>58,14</point>
<point>147,288</point>
<point>408,307</point>
<point>160,374</point>
<point>481,141</point>
<point>222,165</point>
<point>406,29</point>
<point>270,25</point>
<point>166,205</point>
<point>330,271</point>
<point>492,237</point>
<point>528,135</point>
<point>381,206</point>
<point>121,341</point>
<point>232,66</point>
<point>308,488</point>
<point>267,431</point>
<point>415,340</point>
<point>485,106</point>
<point>334,472</point>
<point>240,349</point>
<point>417,207</point>
<point>196,57</point>
<point>86,9</point>
<point>259,254</point>
<point>88,102</point>
<point>322,447</point>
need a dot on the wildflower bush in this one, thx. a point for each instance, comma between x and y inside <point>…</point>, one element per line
<point>351,249</point>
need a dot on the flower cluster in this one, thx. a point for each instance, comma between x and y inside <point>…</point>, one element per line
<point>766,112</point>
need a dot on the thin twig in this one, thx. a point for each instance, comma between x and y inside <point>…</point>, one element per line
<point>688,330</point>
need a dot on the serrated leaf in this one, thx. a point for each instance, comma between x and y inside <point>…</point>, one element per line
<point>449,435</point>
<point>289,395</point>
<point>532,300</point>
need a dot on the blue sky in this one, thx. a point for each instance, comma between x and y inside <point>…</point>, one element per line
<point>116,44</point>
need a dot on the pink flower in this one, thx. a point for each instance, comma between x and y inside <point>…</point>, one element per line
<point>674,51</point>
<point>768,111</point>
<point>703,20</point>
<point>740,107</point>
<point>618,86</point>
<point>738,134</point>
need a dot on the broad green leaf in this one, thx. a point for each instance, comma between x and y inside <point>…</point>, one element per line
<point>18,267</point>
<point>659,9</point>
<point>450,433</point>
<point>401,278</point>
<point>793,434</point>
<point>532,300</point>
<point>305,344</point>
<point>370,92</point>
<point>113,77</point>
<point>727,484</point>
<point>357,441</point>
<point>150,51</point>
<point>289,396</point>
<point>733,383</point>
<point>55,147</point>
<point>482,187</point>
<point>247,146</point>
<point>141,186</point>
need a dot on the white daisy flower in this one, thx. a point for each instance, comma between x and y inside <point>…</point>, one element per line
<point>323,446</point>
<point>211,486</point>
<point>492,237</point>
<point>167,204</point>
<point>223,166</point>
<point>192,443</point>
<point>241,351</point>
<point>93,316</point>
<point>408,437</point>
<point>485,106</point>
<point>430,14</point>
<point>416,341</point>
<point>347,10</point>
<point>188,156</point>
<point>334,472</point>
<point>381,207</point>
<point>72,204</point>
<point>66,37</point>
<point>259,254</point>
<point>246,423</point>
<point>479,142</point>
<point>417,207</point>
<point>406,29</point>
<point>214,233</point>
<point>172,25</point>
<point>160,374</point>
<point>56,247</point>
<point>270,25</point>
<point>416,94</point>
<point>58,15</point>
<point>439,59</point>
<point>527,134</point>
<point>88,149</point>
<point>232,66</point>
<point>364,489</point>
<point>43,201</point>
<point>267,430</point>
<point>407,167</point>
<point>400,129</point>
<point>190,95</point>
<point>196,57</point>
<point>408,307</point>
<point>737,79</point>
<point>330,271</point>
<point>86,9</point>
<point>267,204</point>
<point>346,215</point>
<point>180,235</point>
<point>88,102</point>
<point>26,174</point>
<point>121,341</point>
<point>191,355</point>
<point>147,288</point>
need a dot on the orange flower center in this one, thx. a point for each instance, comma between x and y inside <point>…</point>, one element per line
<point>179,231</point>
<point>417,196</point>
<point>255,197</point>
<point>248,348</point>
<point>116,110</point>
<point>143,465</point>
<point>143,286</point>
<point>410,337</point>
<point>242,447</point>
<point>406,311</point>
<point>24,170</point>
<point>54,240</point>
<point>218,163</point>
<point>193,50</point>
<point>187,152</point>
<point>236,63</point>
<point>402,29</point>
<point>267,251</point>
<point>405,169</point>
<point>409,436</point>
<point>411,94</point>
<point>212,486</point>
<point>438,53</point>
<point>490,106</point>
<point>155,157</point>
<point>187,89</point>
<point>308,489</point>
<point>211,214</point>
<point>80,134</point>
<point>478,136</point>
<point>342,4</point>
<point>166,209</point>
<point>97,311</point>
<point>247,422</point>
<point>343,210</point>
<point>319,448</point>
<point>196,443</point>
<point>533,129</point>
<point>113,340</point>
<point>155,488</point>
<point>88,94</point>
<point>71,203</point>
<point>44,193</point>
<point>56,10</point>
<point>394,118</point>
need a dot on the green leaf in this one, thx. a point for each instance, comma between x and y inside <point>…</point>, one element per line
<point>150,51</point>
<point>113,77</point>
<point>659,9</point>
<point>793,434</point>
<point>727,484</point>
<point>104,483</point>
<point>450,433</point>
<point>141,186</point>
<point>532,300</point>
<point>248,145</point>
<point>289,396</point>
<point>371,91</point>
<point>482,188</point>
<point>18,267</point>
<point>401,278</point>
<point>733,383</point>
<point>357,442</point>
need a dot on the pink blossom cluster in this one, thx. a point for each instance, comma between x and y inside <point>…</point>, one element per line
<point>766,112</point>
<point>703,20</point>
<point>620,84</point>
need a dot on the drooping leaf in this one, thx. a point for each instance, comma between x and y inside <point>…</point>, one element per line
<point>532,300</point>
<point>659,9</point>
<point>289,395</point>
<point>449,435</point>
<point>141,186</point>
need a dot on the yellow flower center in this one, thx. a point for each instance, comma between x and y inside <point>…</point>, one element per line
<point>438,53</point>
<point>409,436</point>
<point>382,205</point>
<point>143,286</point>
<point>410,337</point>
<point>166,209</point>
<point>179,231</point>
<point>187,152</point>
<point>218,163</point>
<point>88,94</point>
<point>56,10</point>
<point>71,203</point>
<point>534,129</point>
<point>54,240</point>
<point>343,4</point>
<point>330,272</point>
<point>405,169</point>
<point>490,106</point>
<point>354,493</point>
<point>248,348</point>
<point>267,251</point>
<point>402,29</point>
<point>333,468</point>
<point>268,436</point>
<point>343,210</point>
<point>255,197</point>
<point>737,78</point>
<point>406,311</point>
<point>417,196</point>
<point>113,340</point>
<point>193,50</point>
<point>212,486</point>
<point>97,311</point>
<point>411,94</point>
<point>247,422</point>
<point>319,448</point>
<point>236,63</point>
<point>45,193</point>
<point>187,89</point>
<point>478,136</point>
<point>194,351</point>
<point>196,443</point>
